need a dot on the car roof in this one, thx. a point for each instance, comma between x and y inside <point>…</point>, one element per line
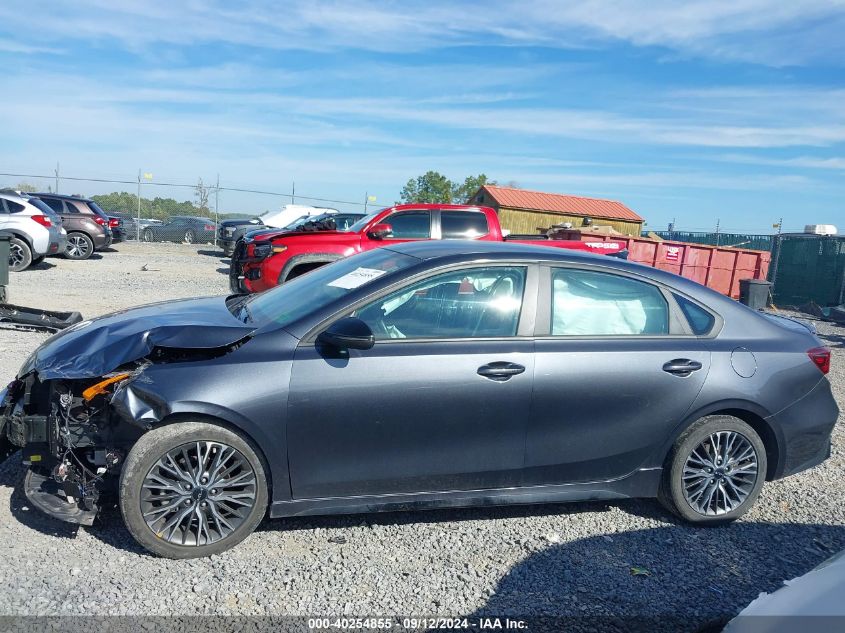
<point>62,196</point>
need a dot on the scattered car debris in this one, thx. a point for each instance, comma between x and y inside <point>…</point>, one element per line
<point>33,318</point>
<point>640,571</point>
<point>338,540</point>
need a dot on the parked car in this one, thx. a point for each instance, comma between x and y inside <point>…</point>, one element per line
<point>229,231</point>
<point>330,221</point>
<point>181,228</point>
<point>420,375</point>
<point>290,212</point>
<point>269,261</point>
<point>130,224</point>
<point>117,230</point>
<point>86,223</point>
<point>34,230</point>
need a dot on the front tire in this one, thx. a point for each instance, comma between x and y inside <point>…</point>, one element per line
<point>190,237</point>
<point>714,472</point>
<point>20,255</point>
<point>79,246</point>
<point>192,489</point>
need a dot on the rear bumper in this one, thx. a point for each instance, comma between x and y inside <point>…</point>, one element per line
<point>101,240</point>
<point>805,429</point>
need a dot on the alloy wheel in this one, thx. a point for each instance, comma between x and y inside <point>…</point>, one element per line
<point>720,473</point>
<point>77,246</point>
<point>16,256</point>
<point>198,493</point>
<point>189,237</point>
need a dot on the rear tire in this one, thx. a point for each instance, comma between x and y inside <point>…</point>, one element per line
<point>20,255</point>
<point>79,246</point>
<point>189,237</point>
<point>215,518</point>
<point>147,235</point>
<point>714,472</point>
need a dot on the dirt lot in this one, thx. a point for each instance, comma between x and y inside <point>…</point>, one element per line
<point>572,559</point>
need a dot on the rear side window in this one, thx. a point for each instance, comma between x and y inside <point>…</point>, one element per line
<point>586,303</point>
<point>13,207</point>
<point>462,225</point>
<point>55,205</point>
<point>410,224</point>
<point>699,319</point>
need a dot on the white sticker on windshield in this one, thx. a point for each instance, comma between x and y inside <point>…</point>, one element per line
<point>357,277</point>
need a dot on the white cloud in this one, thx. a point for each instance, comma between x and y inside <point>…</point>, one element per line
<point>761,31</point>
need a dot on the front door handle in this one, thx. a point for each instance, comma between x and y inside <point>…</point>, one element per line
<point>681,367</point>
<point>500,371</point>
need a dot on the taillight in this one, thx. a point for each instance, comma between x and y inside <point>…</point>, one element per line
<point>43,220</point>
<point>821,358</point>
<point>100,221</point>
<point>114,223</point>
<point>209,227</point>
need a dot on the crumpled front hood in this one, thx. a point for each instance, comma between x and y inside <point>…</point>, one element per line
<point>96,347</point>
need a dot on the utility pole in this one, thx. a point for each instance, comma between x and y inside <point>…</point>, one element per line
<point>57,177</point>
<point>216,208</point>
<point>293,192</point>
<point>138,219</point>
<point>366,199</point>
<point>717,232</point>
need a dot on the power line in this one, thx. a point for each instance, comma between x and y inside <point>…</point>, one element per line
<point>187,186</point>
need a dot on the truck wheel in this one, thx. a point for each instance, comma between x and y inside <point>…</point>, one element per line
<point>20,255</point>
<point>192,489</point>
<point>715,471</point>
<point>79,246</point>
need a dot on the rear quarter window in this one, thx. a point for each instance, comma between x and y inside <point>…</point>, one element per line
<point>701,322</point>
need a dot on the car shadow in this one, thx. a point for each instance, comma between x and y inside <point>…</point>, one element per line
<point>42,265</point>
<point>223,270</point>
<point>675,578</point>
<point>210,253</point>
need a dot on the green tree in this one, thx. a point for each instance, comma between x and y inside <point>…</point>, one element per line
<point>432,187</point>
<point>26,187</point>
<point>461,193</point>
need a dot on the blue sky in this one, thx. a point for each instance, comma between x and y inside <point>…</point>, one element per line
<point>695,111</point>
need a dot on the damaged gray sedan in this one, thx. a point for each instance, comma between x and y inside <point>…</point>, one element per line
<point>420,375</point>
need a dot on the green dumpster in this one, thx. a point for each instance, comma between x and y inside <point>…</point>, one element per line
<point>807,267</point>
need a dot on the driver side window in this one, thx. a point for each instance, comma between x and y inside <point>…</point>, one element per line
<point>472,303</point>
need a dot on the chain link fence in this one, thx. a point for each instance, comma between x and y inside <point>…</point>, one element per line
<point>147,210</point>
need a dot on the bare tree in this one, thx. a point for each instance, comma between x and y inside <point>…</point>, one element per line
<point>201,194</point>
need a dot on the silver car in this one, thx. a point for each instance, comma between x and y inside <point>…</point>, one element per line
<point>36,231</point>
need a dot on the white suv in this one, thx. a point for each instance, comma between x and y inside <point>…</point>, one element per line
<point>35,229</point>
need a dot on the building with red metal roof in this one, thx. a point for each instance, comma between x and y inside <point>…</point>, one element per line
<point>524,211</point>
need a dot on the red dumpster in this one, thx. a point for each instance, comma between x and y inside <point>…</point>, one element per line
<point>716,267</point>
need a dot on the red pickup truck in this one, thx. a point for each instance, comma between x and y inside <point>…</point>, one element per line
<point>273,258</point>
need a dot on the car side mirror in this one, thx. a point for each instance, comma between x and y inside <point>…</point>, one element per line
<point>348,333</point>
<point>380,231</point>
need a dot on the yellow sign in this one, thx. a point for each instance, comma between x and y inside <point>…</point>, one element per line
<point>148,176</point>
<point>371,198</point>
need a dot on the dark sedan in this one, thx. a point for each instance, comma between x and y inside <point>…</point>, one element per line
<point>420,375</point>
<point>181,228</point>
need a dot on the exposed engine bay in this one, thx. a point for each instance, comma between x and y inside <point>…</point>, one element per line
<point>70,436</point>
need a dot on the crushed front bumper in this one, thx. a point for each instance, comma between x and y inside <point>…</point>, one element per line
<point>48,496</point>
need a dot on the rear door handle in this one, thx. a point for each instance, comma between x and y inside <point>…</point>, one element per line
<point>681,367</point>
<point>500,370</point>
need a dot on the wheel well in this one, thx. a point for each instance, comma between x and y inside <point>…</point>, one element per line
<point>301,269</point>
<point>20,236</point>
<point>210,419</point>
<point>85,233</point>
<point>762,428</point>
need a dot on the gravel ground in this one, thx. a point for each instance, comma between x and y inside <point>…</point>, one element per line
<point>572,560</point>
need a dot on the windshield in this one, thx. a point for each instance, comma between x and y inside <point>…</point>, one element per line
<point>360,224</point>
<point>317,289</point>
<point>301,219</point>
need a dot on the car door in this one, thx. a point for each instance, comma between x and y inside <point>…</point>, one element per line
<point>4,215</point>
<point>439,403</point>
<point>617,369</point>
